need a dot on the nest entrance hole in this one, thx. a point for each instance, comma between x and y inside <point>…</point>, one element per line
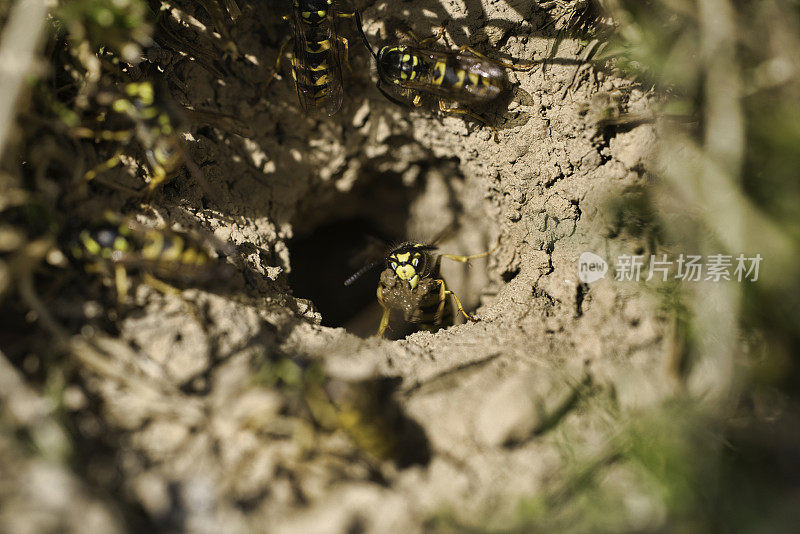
<point>337,236</point>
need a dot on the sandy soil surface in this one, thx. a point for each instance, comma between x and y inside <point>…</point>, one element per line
<point>487,413</point>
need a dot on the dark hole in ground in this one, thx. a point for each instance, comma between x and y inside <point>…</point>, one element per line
<point>338,234</point>
<point>324,259</point>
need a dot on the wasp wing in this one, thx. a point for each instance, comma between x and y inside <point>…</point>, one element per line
<point>458,77</point>
<point>335,85</point>
<point>486,70</point>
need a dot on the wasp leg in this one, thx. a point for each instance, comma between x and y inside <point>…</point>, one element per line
<point>160,286</point>
<point>281,51</point>
<point>386,313</point>
<point>346,45</point>
<point>437,318</point>
<point>506,64</point>
<point>432,39</point>
<point>132,191</point>
<point>461,308</point>
<point>465,259</point>
<point>122,283</point>
<point>166,289</point>
<point>389,97</point>
<point>463,111</point>
<point>159,177</point>
<point>346,15</point>
<point>95,268</point>
<point>107,165</point>
<point>122,136</point>
<point>443,292</point>
<point>417,100</point>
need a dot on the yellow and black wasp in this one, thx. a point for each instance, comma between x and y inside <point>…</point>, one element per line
<point>364,407</point>
<point>412,283</point>
<point>135,114</point>
<point>116,245</point>
<point>317,57</point>
<point>465,76</point>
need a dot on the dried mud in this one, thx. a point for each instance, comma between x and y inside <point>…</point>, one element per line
<point>506,404</point>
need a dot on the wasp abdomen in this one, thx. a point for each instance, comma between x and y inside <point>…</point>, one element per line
<point>454,76</point>
<point>173,255</point>
<point>316,64</point>
<point>429,317</point>
<point>466,79</point>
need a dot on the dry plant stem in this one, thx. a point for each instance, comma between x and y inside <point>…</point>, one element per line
<point>594,47</point>
<point>21,37</point>
<point>739,224</point>
<point>724,146</point>
<point>683,161</point>
<point>724,134</point>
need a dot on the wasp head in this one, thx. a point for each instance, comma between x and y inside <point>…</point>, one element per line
<point>409,263</point>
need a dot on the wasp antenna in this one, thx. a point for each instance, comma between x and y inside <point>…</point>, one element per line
<point>360,26</point>
<point>361,271</point>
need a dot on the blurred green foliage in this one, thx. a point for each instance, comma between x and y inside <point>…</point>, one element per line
<point>662,43</point>
<point>688,466</point>
<point>119,26</point>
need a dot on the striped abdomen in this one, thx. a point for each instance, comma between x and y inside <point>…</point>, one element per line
<point>162,252</point>
<point>173,254</point>
<point>109,242</point>
<point>425,318</point>
<point>455,76</point>
<point>316,65</point>
<point>466,78</point>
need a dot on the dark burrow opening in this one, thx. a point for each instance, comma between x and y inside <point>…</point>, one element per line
<point>324,259</point>
<point>337,236</point>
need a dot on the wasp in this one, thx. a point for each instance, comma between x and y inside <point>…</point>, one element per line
<point>141,118</point>
<point>412,282</point>
<point>116,245</point>
<point>364,407</point>
<point>464,77</point>
<point>317,57</point>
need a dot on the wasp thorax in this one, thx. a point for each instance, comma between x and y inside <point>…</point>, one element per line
<point>314,16</point>
<point>392,64</point>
